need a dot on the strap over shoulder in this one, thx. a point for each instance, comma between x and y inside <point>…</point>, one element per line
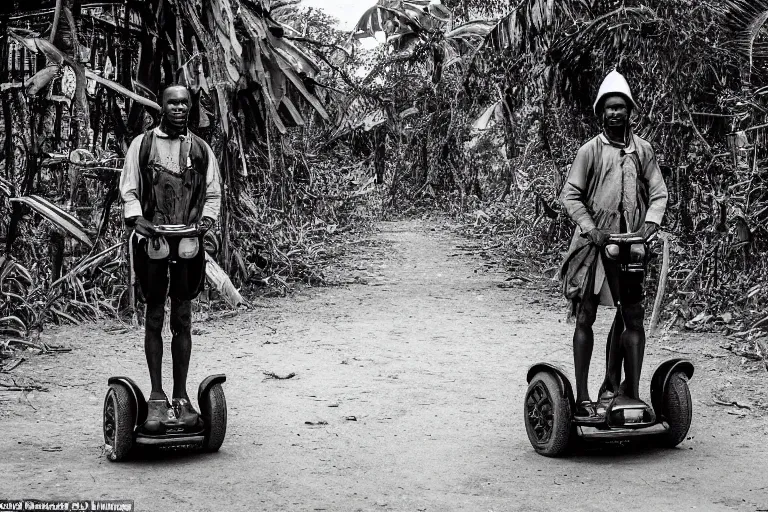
<point>146,148</point>
<point>184,150</point>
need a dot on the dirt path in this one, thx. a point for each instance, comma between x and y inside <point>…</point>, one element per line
<point>413,378</point>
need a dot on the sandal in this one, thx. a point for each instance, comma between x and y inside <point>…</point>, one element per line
<point>585,409</point>
<point>160,414</point>
<point>587,413</point>
<point>187,414</point>
<point>604,402</point>
<point>606,396</point>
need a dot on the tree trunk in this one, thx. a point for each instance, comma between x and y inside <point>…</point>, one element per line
<point>380,154</point>
<point>8,126</point>
<point>20,125</point>
<point>511,147</point>
<point>67,41</point>
<point>56,249</point>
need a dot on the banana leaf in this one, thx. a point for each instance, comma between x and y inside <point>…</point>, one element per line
<point>6,187</point>
<point>376,18</point>
<point>122,90</point>
<point>290,111</point>
<point>89,262</point>
<point>13,319</point>
<point>41,79</point>
<point>57,216</point>
<point>299,84</point>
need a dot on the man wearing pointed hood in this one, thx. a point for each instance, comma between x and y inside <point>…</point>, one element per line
<point>614,186</point>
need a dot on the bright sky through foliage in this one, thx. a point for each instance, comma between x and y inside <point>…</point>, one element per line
<point>347,11</point>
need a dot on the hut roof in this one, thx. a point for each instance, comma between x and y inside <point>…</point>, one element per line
<point>14,8</point>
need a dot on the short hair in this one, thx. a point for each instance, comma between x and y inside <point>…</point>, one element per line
<point>174,86</point>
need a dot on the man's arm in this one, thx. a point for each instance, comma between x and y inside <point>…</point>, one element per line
<point>130,180</point>
<point>212,204</point>
<point>572,196</point>
<point>657,190</point>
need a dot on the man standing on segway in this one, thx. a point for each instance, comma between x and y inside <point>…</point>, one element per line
<point>614,186</point>
<point>170,177</point>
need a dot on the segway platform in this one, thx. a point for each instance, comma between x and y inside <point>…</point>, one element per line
<point>552,427</point>
<point>125,411</point>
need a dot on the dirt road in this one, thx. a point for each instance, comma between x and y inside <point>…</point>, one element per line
<point>407,397</point>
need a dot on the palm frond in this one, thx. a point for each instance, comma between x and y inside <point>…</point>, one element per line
<point>468,37</point>
<point>386,17</point>
<point>745,20</point>
<point>57,216</point>
<point>396,17</point>
<point>597,33</point>
<point>531,23</point>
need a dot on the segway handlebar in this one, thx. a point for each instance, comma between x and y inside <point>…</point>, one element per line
<point>176,230</point>
<point>625,238</point>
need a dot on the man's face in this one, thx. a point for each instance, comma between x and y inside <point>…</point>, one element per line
<point>176,105</point>
<point>615,111</point>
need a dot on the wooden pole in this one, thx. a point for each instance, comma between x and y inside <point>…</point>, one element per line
<point>661,288</point>
<point>56,18</point>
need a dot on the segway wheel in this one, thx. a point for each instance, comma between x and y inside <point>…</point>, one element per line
<point>213,407</point>
<point>119,422</point>
<point>678,409</point>
<point>547,415</point>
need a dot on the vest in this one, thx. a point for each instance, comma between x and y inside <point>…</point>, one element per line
<point>192,180</point>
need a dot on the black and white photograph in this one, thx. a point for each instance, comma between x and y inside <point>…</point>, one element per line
<point>383,255</point>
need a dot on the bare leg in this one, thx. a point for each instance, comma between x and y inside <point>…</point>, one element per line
<point>633,344</point>
<point>181,345</point>
<point>614,354</point>
<point>583,342</point>
<point>153,348</point>
<point>614,349</point>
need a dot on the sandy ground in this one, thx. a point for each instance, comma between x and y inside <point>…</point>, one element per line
<point>407,397</point>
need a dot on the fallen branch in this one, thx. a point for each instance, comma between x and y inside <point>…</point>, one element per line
<point>220,280</point>
<point>272,375</point>
<point>731,404</point>
<point>743,353</point>
<point>15,386</point>
<point>13,364</point>
<point>670,349</point>
<point>23,388</point>
<point>26,343</point>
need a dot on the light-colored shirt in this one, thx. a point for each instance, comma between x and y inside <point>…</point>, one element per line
<point>166,154</point>
<point>603,174</point>
<point>602,187</point>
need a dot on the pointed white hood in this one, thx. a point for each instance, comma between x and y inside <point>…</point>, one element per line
<point>614,83</point>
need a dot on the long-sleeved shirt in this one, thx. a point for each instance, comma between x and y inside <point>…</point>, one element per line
<point>167,154</point>
<point>601,188</point>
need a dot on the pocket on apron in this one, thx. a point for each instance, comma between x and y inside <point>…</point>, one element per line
<point>157,248</point>
<point>188,248</point>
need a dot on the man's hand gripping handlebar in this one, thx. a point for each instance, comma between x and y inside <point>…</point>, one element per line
<point>644,235</point>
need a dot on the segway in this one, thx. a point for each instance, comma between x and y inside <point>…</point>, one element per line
<point>549,403</point>
<point>125,408</point>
